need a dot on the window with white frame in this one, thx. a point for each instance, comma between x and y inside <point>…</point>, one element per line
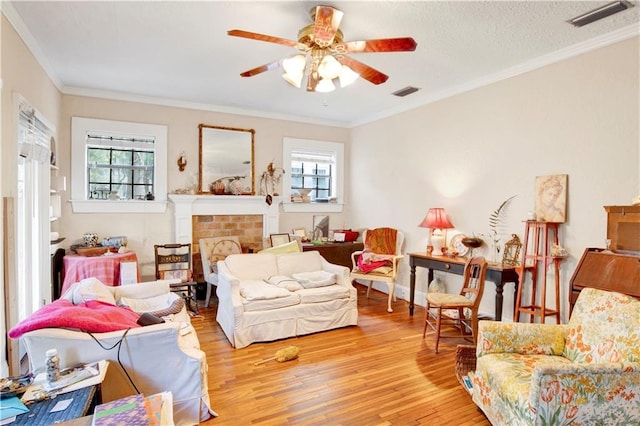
<point>316,170</point>
<point>118,166</point>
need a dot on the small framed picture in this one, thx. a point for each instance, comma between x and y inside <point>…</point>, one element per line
<point>551,198</point>
<point>279,239</point>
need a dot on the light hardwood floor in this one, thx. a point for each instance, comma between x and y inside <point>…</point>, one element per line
<point>381,372</point>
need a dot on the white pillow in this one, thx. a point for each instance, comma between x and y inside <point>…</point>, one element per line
<point>315,279</point>
<point>150,304</point>
<point>92,289</point>
<point>259,290</point>
<point>283,281</point>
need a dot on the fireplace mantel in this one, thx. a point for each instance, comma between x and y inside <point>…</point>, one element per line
<point>186,206</point>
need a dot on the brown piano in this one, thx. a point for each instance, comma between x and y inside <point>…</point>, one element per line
<point>606,270</point>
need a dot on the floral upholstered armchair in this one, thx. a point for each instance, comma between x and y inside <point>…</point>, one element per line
<point>586,372</point>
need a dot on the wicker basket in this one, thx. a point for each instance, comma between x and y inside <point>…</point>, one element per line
<point>465,361</point>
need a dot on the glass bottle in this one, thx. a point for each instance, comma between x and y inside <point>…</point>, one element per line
<point>52,365</point>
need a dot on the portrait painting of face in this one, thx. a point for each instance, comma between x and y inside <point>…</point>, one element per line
<point>551,198</point>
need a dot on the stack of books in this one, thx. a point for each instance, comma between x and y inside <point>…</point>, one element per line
<point>136,410</point>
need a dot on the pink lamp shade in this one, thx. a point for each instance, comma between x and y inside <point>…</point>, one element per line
<point>436,220</point>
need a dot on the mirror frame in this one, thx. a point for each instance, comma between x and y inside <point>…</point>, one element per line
<point>203,187</point>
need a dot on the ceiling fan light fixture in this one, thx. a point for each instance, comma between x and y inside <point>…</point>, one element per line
<point>294,79</point>
<point>347,76</point>
<point>325,86</point>
<point>329,67</point>
<point>294,64</point>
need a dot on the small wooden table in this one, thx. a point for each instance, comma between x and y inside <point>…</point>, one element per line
<point>496,273</point>
<point>106,268</point>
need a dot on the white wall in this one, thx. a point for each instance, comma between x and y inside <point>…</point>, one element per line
<point>22,75</point>
<point>143,231</point>
<point>470,152</point>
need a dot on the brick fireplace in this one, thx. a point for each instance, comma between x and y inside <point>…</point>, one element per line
<point>249,217</point>
<point>200,216</point>
<point>248,228</point>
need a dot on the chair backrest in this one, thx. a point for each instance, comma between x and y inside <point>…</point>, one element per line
<point>173,261</point>
<point>217,248</point>
<point>474,274</point>
<point>382,237</point>
<point>603,328</point>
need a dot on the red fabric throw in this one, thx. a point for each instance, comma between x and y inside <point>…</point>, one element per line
<point>381,241</point>
<point>93,316</point>
<point>369,266</point>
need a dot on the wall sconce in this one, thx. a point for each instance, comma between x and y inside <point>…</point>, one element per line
<point>437,220</point>
<point>182,161</point>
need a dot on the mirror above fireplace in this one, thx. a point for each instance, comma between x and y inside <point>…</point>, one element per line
<point>226,160</point>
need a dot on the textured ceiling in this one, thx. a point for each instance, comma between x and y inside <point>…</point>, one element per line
<point>178,53</point>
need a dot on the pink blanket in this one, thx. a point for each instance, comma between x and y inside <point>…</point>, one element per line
<point>93,316</point>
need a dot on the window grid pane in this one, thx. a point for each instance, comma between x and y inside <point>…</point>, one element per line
<point>128,172</point>
<point>314,176</point>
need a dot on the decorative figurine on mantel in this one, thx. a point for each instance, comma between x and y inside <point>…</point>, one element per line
<point>269,180</point>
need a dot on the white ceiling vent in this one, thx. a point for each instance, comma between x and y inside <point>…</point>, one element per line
<point>599,13</point>
<point>405,91</point>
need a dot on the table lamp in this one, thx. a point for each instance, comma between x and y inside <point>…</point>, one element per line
<point>437,220</point>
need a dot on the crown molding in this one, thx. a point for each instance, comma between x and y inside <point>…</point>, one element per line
<point>128,97</point>
<point>604,40</point>
<point>18,24</point>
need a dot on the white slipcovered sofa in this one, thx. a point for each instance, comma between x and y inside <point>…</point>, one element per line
<point>252,310</point>
<point>160,357</point>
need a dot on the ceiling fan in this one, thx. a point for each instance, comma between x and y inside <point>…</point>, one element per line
<point>323,55</point>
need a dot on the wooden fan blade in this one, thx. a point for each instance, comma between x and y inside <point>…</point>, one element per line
<point>262,37</point>
<point>365,71</point>
<point>326,25</point>
<point>262,68</point>
<point>402,44</point>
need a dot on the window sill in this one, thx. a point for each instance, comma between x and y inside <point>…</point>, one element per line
<point>121,206</point>
<point>312,207</point>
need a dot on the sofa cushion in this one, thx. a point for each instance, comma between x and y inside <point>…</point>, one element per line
<point>508,375</point>
<point>271,304</point>
<point>604,328</point>
<point>294,263</point>
<point>323,294</point>
<point>315,279</point>
<point>283,281</point>
<point>255,266</point>
<point>290,247</point>
<point>162,305</point>
<point>259,290</point>
<point>91,289</point>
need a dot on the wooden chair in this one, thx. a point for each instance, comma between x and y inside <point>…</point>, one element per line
<point>211,251</point>
<point>173,263</point>
<point>385,274</point>
<point>459,310</point>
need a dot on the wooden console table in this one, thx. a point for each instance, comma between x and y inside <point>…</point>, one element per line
<point>455,265</point>
<point>338,253</point>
